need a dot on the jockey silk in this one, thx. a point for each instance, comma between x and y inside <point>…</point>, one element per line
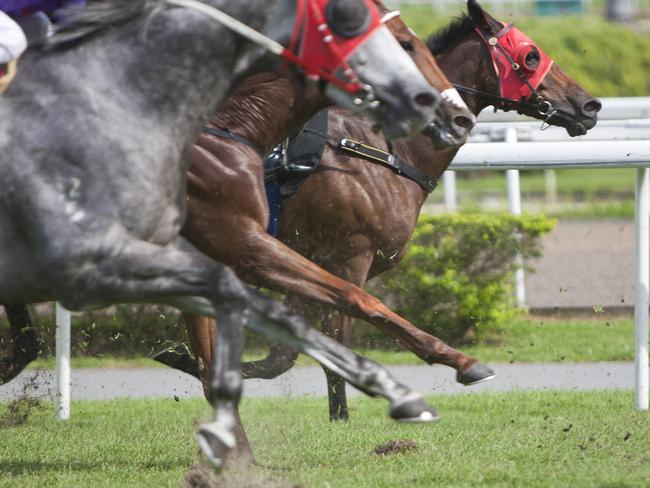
<point>18,8</point>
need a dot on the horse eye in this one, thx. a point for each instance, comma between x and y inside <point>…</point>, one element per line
<point>407,46</point>
<point>348,18</point>
<point>532,59</point>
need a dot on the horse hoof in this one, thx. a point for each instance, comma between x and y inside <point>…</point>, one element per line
<point>413,411</point>
<point>477,373</point>
<point>215,443</point>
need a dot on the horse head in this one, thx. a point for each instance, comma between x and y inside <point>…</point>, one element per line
<point>347,44</point>
<point>512,72</point>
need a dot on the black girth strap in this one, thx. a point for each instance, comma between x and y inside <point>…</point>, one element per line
<point>226,134</point>
<point>393,162</point>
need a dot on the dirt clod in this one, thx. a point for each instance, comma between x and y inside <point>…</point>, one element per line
<point>394,447</point>
<point>244,475</point>
<point>18,411</point>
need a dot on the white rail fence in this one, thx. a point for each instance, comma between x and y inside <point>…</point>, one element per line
<point>620,140</point>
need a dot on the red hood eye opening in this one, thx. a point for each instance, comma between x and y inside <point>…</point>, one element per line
<point>528,58</point>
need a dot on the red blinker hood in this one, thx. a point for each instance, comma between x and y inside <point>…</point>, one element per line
<point>509,49</point>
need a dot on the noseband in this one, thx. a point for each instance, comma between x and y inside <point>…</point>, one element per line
<point>520,67</point>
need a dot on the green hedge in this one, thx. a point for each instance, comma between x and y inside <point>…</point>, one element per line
<point>457,276</point>
<point>607,59</point>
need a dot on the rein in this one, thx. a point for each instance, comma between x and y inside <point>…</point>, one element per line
<point>376,155</point>
<point>311,25</point>
<point>398,165</point>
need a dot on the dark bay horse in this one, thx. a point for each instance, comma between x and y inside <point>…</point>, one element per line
<point>93,171</point>
<point>353,228</point>
<point>354,217</point>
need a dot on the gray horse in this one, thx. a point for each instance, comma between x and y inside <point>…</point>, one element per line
<point>93,177</point>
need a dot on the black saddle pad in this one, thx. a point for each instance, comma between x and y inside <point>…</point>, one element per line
<point>303,154</point>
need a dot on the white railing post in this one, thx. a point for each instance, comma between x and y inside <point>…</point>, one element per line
<point>449,182</point>
<point>641,286</point>
<point>62,363</point>
<point>550,180</point>
<point>514,206</point>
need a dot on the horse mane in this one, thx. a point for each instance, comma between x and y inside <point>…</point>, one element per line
<point>82,22</point>
<point>446,36</point>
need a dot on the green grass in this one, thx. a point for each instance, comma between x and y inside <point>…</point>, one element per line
<point>532,439</point>
<point>541,340</point>
<point>549,340</point>
<point>586,183</point>
<point>599,193</point>
<point>100,362</point>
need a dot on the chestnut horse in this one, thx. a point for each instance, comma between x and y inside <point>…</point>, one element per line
<point>354,218</point>
<point>226,173</point>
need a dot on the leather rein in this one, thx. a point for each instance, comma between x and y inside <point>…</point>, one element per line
<point>384,158</point>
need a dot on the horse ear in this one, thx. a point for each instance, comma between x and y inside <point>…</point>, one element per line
<point>481,18</point>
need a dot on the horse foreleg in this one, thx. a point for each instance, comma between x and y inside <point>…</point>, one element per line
<point>268,262</point>
<point>202,332</point>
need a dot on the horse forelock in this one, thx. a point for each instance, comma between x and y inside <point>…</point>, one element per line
<point>446,36</point>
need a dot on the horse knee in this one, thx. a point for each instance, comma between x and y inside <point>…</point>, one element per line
<point>230,288</point>
<point>227,387</point>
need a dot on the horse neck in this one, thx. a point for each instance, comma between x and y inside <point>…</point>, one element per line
<point>467,62</point>
<point>269,107</point>
<point>183,66</point>
<point>462,66</point>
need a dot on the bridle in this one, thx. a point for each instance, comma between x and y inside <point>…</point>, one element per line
<point>517,82</point>
<point>317,47</point>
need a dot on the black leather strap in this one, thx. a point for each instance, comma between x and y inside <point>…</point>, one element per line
<point>232,136</point>
<point>391,161</point>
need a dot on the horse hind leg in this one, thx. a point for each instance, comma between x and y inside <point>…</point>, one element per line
<point>339,327</point>
<point>25,343</point>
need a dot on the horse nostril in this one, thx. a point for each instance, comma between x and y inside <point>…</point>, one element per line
<point>463,121</point>
<point>426,99</point>
<point>592,106</point>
